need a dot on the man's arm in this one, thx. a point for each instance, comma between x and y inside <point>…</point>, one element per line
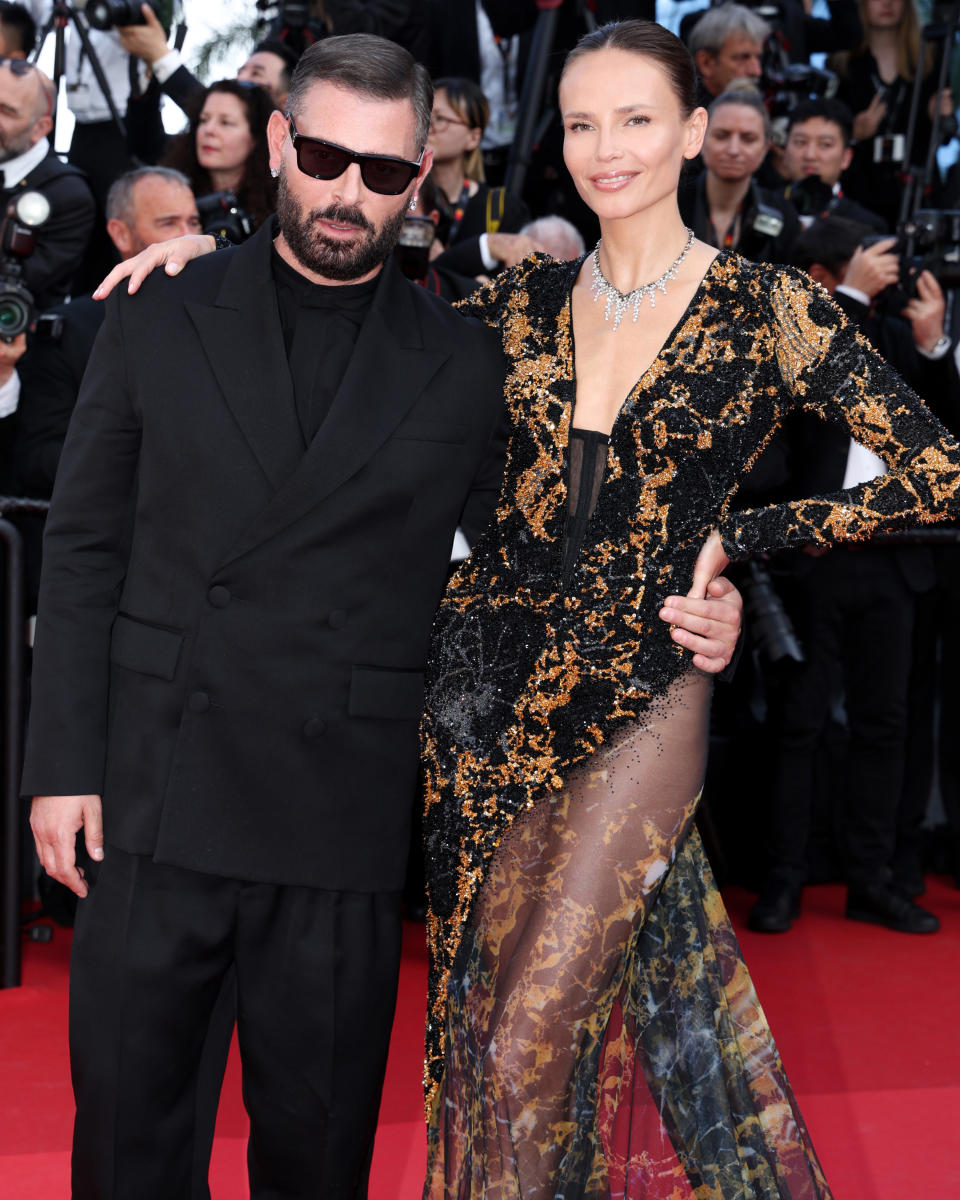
<point>86,550</point>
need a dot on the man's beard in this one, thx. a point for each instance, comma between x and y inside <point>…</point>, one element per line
<point>14,147</point>
<point>329,257</point>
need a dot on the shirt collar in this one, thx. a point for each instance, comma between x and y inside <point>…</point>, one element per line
<point>16,169</point>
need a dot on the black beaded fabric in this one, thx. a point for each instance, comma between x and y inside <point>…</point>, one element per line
<point>531,672</point>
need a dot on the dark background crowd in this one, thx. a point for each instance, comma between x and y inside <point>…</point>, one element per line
<point>832,753</point>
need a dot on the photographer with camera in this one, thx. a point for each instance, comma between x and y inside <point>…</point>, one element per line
<point>727,43</point>
<point>726,207</point>
<point>29,163</point>
<point>816,156</point>
<point>795,33</point>
<point>877,82</point>
<point>224,155</point>
<point>269,65</point>
<point>144,206</point>
<point>844,602</point>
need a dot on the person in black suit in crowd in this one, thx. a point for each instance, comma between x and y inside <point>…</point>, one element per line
<point>818,152</point>
<point>845,603</point>
<point>146,205</point>
<point>29,163</point>
<point>725,206</point>
<point>249,534</point>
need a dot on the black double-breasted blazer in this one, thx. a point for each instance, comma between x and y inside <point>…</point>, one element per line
<point>232,627</point>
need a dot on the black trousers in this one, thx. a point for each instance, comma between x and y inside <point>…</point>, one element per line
<point>854,612</point>
<point>316,980</point>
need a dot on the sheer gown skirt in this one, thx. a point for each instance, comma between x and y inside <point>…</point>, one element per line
<point>603,1039</point>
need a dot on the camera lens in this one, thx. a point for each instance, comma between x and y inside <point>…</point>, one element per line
<point>14,316</point>
<point>105,14</point>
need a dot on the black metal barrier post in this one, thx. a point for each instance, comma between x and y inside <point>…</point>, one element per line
<point>13,681</point>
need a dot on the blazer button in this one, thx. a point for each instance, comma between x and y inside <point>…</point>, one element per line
<point>314,729</point>
<point>337,619</point>
<point>219,596</point>
<point>199,702</point>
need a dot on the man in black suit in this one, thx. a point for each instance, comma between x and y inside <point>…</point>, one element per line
<point>29,163</point>
<point>249,534</point>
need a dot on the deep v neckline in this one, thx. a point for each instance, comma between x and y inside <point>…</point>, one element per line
<point>666,345</point>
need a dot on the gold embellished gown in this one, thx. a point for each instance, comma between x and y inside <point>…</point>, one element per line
<point>592,1031</point>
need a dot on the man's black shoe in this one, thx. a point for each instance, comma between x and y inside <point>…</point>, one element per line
<point>884,905</point>
<point>775,910</point>
<point>910,884</point>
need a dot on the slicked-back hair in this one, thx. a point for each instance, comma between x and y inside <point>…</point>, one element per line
<point>369,66</point>
<point>653,42</point>
<point>718,23</point>
<point>120,197</point>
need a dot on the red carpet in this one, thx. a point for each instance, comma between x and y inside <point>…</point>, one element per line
<point>866,1021</point>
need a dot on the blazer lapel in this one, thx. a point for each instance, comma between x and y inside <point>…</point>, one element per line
<point>241,337</point>
<point>388,370</point>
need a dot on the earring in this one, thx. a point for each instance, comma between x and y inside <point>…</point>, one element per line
<point>274,172</point>
<point>414,201</point>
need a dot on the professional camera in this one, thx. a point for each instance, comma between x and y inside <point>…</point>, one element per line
<point>787,84</point>
<point>293,22</point>
<point>928,240</point>
<point>24,214</point>
<point>108,14</point>
<point>221,215</point>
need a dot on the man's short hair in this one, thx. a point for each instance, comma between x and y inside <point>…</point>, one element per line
<point>281,50</point>
<point>370,66</point>
<point>120,196</point>
<point>717,24</point>
<point>830,241</point>
<point>19,28</point>
<point>834,111</point>
<point>557,235</point>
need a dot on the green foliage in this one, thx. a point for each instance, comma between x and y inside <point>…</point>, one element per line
<point>221,53</point>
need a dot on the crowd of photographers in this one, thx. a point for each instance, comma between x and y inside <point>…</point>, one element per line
<point>832,745</point>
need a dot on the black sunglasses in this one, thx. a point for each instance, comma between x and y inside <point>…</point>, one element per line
<point>325,160</point>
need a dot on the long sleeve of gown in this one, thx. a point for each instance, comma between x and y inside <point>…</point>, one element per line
<point>831,369</point>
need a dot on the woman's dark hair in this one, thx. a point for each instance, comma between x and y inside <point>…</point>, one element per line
<point>653,41</point>
<point>257,191</point>
<point>467,100</point>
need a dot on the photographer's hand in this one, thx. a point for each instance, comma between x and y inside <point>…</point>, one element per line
<point>873,268</point>
<point>866,123</point>
<point>172,256</point>
<point>147,41</point>
<point>925,312</point>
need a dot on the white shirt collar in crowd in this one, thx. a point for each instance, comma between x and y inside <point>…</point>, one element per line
<point>15,169</point>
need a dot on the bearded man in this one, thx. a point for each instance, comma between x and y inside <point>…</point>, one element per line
<point>249,534</point>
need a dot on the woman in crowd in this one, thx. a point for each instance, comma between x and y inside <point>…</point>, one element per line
<point>592,1030</point>
<point>225,148</point>
<point>876,83</point>
<point>726,207</point>
<point>470,207</point>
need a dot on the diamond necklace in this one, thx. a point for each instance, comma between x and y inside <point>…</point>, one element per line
<point>618,301</point>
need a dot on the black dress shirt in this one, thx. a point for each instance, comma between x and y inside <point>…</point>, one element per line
<point>320,324</point>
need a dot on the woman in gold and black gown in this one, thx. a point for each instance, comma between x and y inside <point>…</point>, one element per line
<point>592,1031</point>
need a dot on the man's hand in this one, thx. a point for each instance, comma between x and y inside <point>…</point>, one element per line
<point>873,268</point>
<point>511,248</point>
<point>708,618</point>
<point>866,123</point>
<point>172,256</point>
<point>56,821</point>
<point>10,355</point>
<point>709,627</point>
<point>148,41</point>
<point>925,311</point>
